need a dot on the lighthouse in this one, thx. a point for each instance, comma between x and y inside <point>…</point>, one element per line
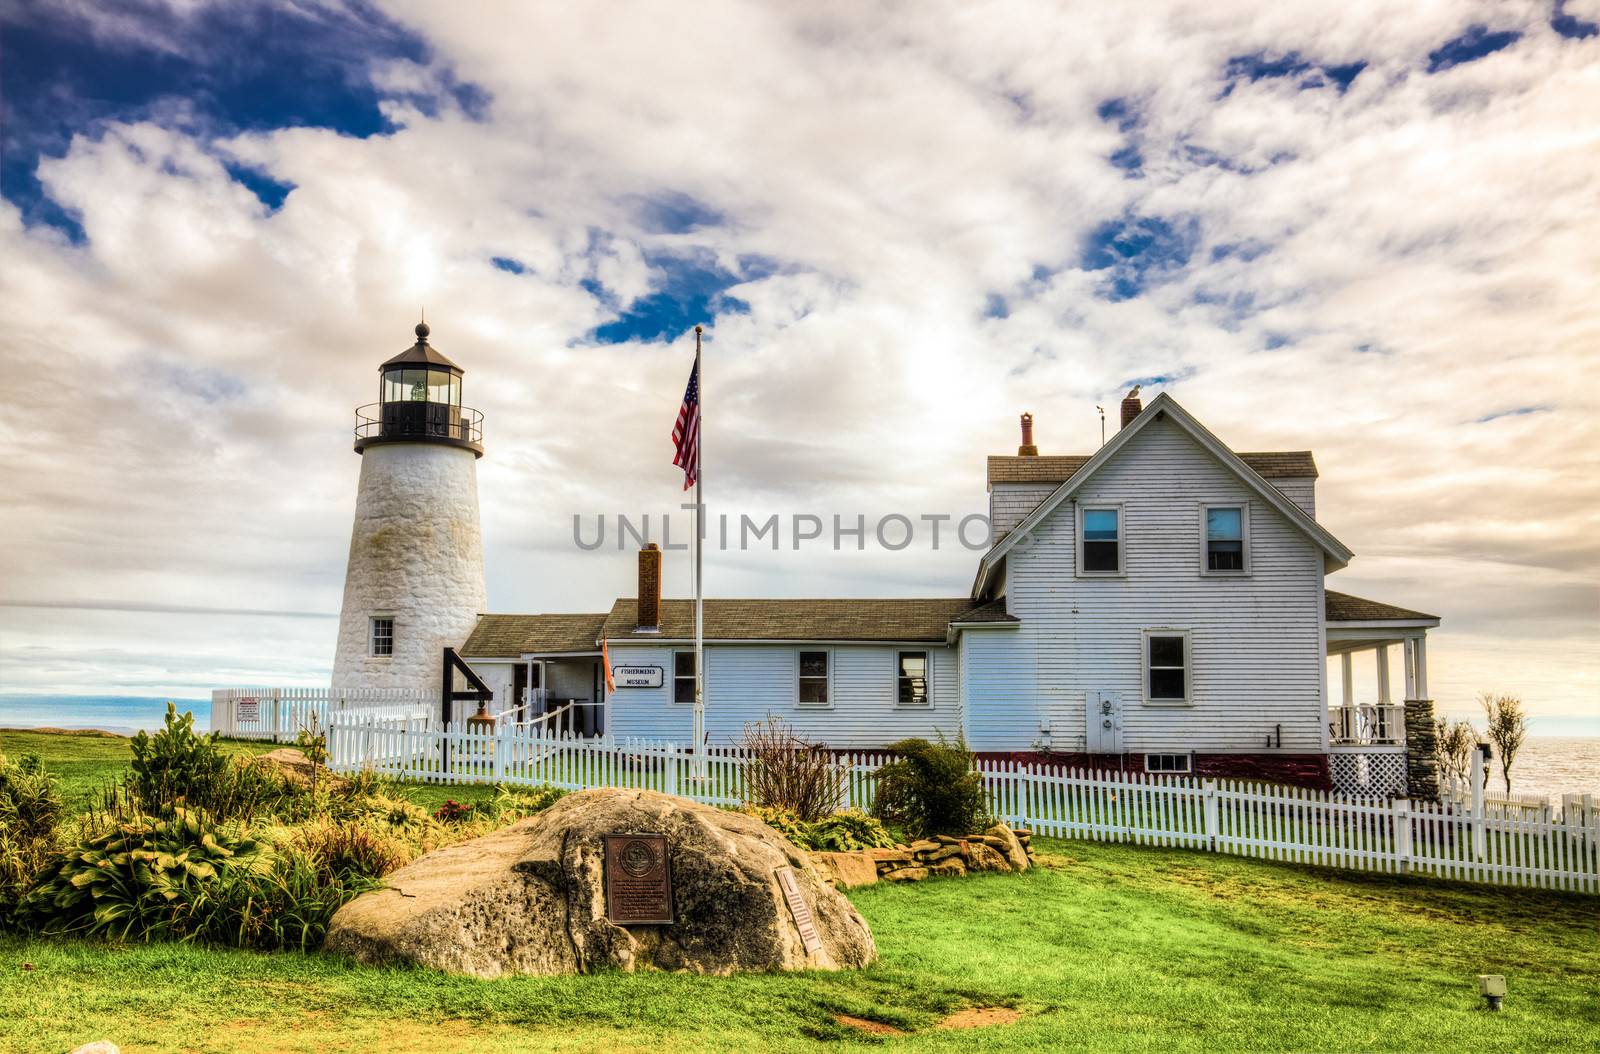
<point>414,582</point>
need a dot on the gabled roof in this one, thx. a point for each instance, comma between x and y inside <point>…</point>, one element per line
<point>797,620</point>
<point>1336,554</point>
<point>509,636</point>
<point>1342,607</point>
<point>1058,468</point>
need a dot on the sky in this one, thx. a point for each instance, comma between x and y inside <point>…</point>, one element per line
<point>1367,229</point>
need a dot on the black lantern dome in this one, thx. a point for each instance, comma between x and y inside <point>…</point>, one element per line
<point>419,401</point>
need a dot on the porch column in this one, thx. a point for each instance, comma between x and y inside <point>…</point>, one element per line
<point>1383,675</point>
<point>1409,647</point>
<point>1422,668</point>
<point>1347,679</point>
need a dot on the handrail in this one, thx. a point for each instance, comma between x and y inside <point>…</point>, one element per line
<point>459,422</point>
<point>1367,724</point>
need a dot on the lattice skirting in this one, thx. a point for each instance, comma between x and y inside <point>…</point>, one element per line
<point>1375,775</point>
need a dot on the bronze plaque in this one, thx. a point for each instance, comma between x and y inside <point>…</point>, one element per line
<point>809,937</point>
<point>638,880</point>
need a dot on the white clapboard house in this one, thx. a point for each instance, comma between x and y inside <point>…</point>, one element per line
<point>1159,605</point>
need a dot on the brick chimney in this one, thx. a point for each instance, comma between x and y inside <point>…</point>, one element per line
<point>1131,406</point>
<point>1027,449</point>
<point>650,587</point>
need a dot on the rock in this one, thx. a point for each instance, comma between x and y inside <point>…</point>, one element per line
<point>1014,852</point>
<point>296,767</point>
<point>922,845</point>
<point>981,857</point>
<point>949,866</point>
<point>99,1046</point>
<point>946,839</point>
<point>908,874</point>
<point>530,898</point>
<point>846,869</point>
<point>944,852</point>
<point>890,856</point>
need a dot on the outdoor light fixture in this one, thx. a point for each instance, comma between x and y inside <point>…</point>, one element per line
<point>1492,987</point>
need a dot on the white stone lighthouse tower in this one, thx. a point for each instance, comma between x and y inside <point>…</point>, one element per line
<point>414,584</point>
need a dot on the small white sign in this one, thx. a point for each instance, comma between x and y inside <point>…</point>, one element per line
<point>638,676</point>
<point>247,709</point>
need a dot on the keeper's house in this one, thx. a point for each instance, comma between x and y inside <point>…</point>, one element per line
<point>1159,605</point>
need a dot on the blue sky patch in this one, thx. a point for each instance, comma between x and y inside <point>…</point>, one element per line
<point>232,68</point>
<point>270,192</point>
<point>1470,46</point>
<point>1571,26</point>
<point>671,212</point>
<point>995,306</point>
<point>1137,251</point>
<point>508,265</point>
<point>1262,65</point>
<point>692,288</point>
<point>1520,411</point>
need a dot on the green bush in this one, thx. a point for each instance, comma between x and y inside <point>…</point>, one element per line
<point>511,804</point>
<point>146,878</point>
<point>30,817</point>
<point>848,831</point>
<point>342,851</point>
<point>931,788</point>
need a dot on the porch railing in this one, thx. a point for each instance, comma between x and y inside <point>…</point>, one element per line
<point>1367,724</point>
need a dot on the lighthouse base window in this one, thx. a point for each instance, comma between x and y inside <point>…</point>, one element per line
<point>382,637</point>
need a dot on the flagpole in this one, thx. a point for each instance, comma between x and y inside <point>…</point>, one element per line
<point>699,590</point>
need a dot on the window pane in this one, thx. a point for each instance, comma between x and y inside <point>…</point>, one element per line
<point>813,664</point>
<point>1166,651</point>
<point>1100,525</point>
<point>416,382</point>
<point>683,664</point>
<point>813,690</point>
<point>1225,556</point>
<point>1099,556</point>
<point>1224,525</point>
<point>913,664</point>
<point>1166,684</point>
<point>683,689</point>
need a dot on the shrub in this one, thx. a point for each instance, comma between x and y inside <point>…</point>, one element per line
<point>342,851</point>
<point>783,771</point>
<point>931,788</point>
<point>147,877</point>
<point>452,811</point>
<point>848,831</point>
<point>509,805</point>
<point>785,823</point>
<point>285,905</point>
<point>30,815</point>
<point>178,767</point>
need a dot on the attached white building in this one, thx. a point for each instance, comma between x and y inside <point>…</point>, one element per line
<point>1158,605</point>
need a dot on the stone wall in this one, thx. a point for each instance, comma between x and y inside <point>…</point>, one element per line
<point>997,849</point>
<point>1422,750</point>
<point>416,555</point>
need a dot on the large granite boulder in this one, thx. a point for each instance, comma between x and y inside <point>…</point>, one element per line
<point>531,899</point>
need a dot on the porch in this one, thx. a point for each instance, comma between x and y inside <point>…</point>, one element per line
<point>1367,733</point>
<point>558,694</point>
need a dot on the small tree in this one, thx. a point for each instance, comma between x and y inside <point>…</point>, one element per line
<point>1508,727</point>
<point>931,788</point>
<point>1455,741</point>
<point>782,771</point>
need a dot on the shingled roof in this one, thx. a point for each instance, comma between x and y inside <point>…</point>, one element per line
<point>1058,468</point>
<point>802,620</point>
<point>508,636</point>
<point>1342,607</point>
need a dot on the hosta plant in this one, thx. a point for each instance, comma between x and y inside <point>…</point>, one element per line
<point>146,877</point>
<point>848,831</point>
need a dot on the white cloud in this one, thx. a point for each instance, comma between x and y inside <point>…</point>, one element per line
<point>177,425</point>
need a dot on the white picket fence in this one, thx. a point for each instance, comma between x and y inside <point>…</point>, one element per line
<point>1445,839</point>
<point>280,714</point>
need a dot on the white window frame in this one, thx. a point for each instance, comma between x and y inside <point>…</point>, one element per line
<point>927,678</point>
<point>372,636</point>
<point>673,678</point>
<point>813,706</point>
<point>1122,538</point>
<point>1187,759</point>
<point>1144,665</point>
<point>1244,538</point>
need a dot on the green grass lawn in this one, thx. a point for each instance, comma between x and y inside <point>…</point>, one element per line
<point>1102,948</point>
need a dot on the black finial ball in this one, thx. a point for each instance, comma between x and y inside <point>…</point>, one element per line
<point>422,331</point>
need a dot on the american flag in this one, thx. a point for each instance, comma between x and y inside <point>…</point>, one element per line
<point>686,432</point>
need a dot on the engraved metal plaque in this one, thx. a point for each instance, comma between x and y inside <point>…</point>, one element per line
<point>638,880</point>
<point>800,910</point>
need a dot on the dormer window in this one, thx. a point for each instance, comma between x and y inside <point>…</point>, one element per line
<point>1100,539</point>
<point>1224,548</point>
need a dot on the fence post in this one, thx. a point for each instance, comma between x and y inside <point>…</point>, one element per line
<point>277,694</point>
<point>670,759</point>
<point>1480,766</point>
<point>1400,811</point>
<point>1211,814</point>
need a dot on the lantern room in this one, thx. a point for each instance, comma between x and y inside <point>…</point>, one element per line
<point>419,401</point>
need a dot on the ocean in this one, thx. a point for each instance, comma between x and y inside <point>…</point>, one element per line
<point>1546,765</point>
